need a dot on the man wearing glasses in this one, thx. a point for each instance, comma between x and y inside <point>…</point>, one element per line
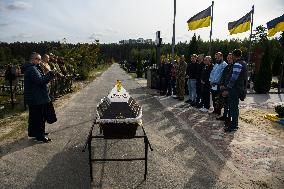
<point>36,95</point>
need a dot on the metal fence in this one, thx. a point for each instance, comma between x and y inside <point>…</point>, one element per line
<point>11,89</point>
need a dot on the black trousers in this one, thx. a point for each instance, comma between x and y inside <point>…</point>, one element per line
<point>205,93</point>
<point>198,91</point>
<point>36,125</point>
<point>168,86</point>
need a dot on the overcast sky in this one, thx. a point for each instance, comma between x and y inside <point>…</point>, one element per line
<point>113,20</point>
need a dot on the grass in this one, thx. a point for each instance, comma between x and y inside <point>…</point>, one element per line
<point>8,110</point>
<point>19,126</point>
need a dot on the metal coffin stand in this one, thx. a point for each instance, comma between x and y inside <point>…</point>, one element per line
<point>118,117</point>
<point>124,136</point>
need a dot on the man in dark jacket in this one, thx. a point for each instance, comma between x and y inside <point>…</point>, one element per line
<point>36,95</point>
<point>167,68</point>
<point>235,90</point>
<point>205,84</point>
<point>191,73</point>
<point>223,101</point>
<point>200,66</point>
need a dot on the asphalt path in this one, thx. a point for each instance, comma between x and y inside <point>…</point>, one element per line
<point>181,158</point>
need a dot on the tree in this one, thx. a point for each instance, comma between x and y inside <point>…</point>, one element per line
<point>260,35</point>
<point>193,46</point>
<point>264,76</point>
<point>281,40</point>
<point>139,66</point>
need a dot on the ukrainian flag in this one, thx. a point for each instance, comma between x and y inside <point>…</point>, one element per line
<point>200,20</point>
<point>241,25</point>
<point>275,25</point>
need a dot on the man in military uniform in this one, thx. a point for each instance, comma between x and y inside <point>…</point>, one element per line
<point>70,76</point>
<point>181,72</point>
<point>62,80</point>
<point>58,77</point>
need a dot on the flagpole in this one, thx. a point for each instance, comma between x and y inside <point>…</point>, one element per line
<point>210,47</point>
<point>249,52</point>
<point>174,32</point>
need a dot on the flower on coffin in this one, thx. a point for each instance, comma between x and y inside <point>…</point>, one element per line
<point>118,85</point>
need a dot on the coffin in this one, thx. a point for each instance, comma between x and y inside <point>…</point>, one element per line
<point>118,114</point>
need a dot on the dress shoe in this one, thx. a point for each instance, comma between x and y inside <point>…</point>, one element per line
<point>199,106</point>
<point>188,101</point>
<point>44,139</point>
<point>205,110</point>
<point>192,104</point>
<point>229,129</point>
<point>221,118</point>
<point>46,134</point>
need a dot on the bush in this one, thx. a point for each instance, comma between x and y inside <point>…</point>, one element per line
<point>139,70</point>
<point>264,76</point>
<point>139,67</point>
<point>279,109</point>
<point>83,73</point>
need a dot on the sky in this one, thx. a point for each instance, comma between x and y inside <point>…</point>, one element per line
<point>110,21</point>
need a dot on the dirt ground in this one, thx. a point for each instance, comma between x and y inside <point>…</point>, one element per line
<point>255,117</point>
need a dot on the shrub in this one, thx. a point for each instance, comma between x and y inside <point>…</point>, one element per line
<point>264,76</point>
<point>83,73</point>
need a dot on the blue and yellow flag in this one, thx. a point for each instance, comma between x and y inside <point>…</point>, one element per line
<point>200,20</point>
<point>275,25</point>
<point>241,25</point>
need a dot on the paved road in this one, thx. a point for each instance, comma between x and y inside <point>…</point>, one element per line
<point>185,154</point>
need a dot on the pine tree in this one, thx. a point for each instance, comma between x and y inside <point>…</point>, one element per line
<point>193,46</point>
<point>139,67</point>
<point>264,76</point>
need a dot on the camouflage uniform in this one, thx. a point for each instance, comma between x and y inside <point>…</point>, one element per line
<point>52,86</point>
<point>58,79</point>
<point>181,71</point>
<point>69,77</point>
<point>62,78</point>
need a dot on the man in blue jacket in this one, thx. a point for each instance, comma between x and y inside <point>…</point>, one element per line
<point>36,95</point>
<point>214,79</point>
<point>235,90</point>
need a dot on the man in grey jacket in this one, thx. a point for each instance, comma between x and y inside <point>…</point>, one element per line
<point>36,95</point>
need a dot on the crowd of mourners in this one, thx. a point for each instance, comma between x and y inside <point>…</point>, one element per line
<point>224,80</point>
